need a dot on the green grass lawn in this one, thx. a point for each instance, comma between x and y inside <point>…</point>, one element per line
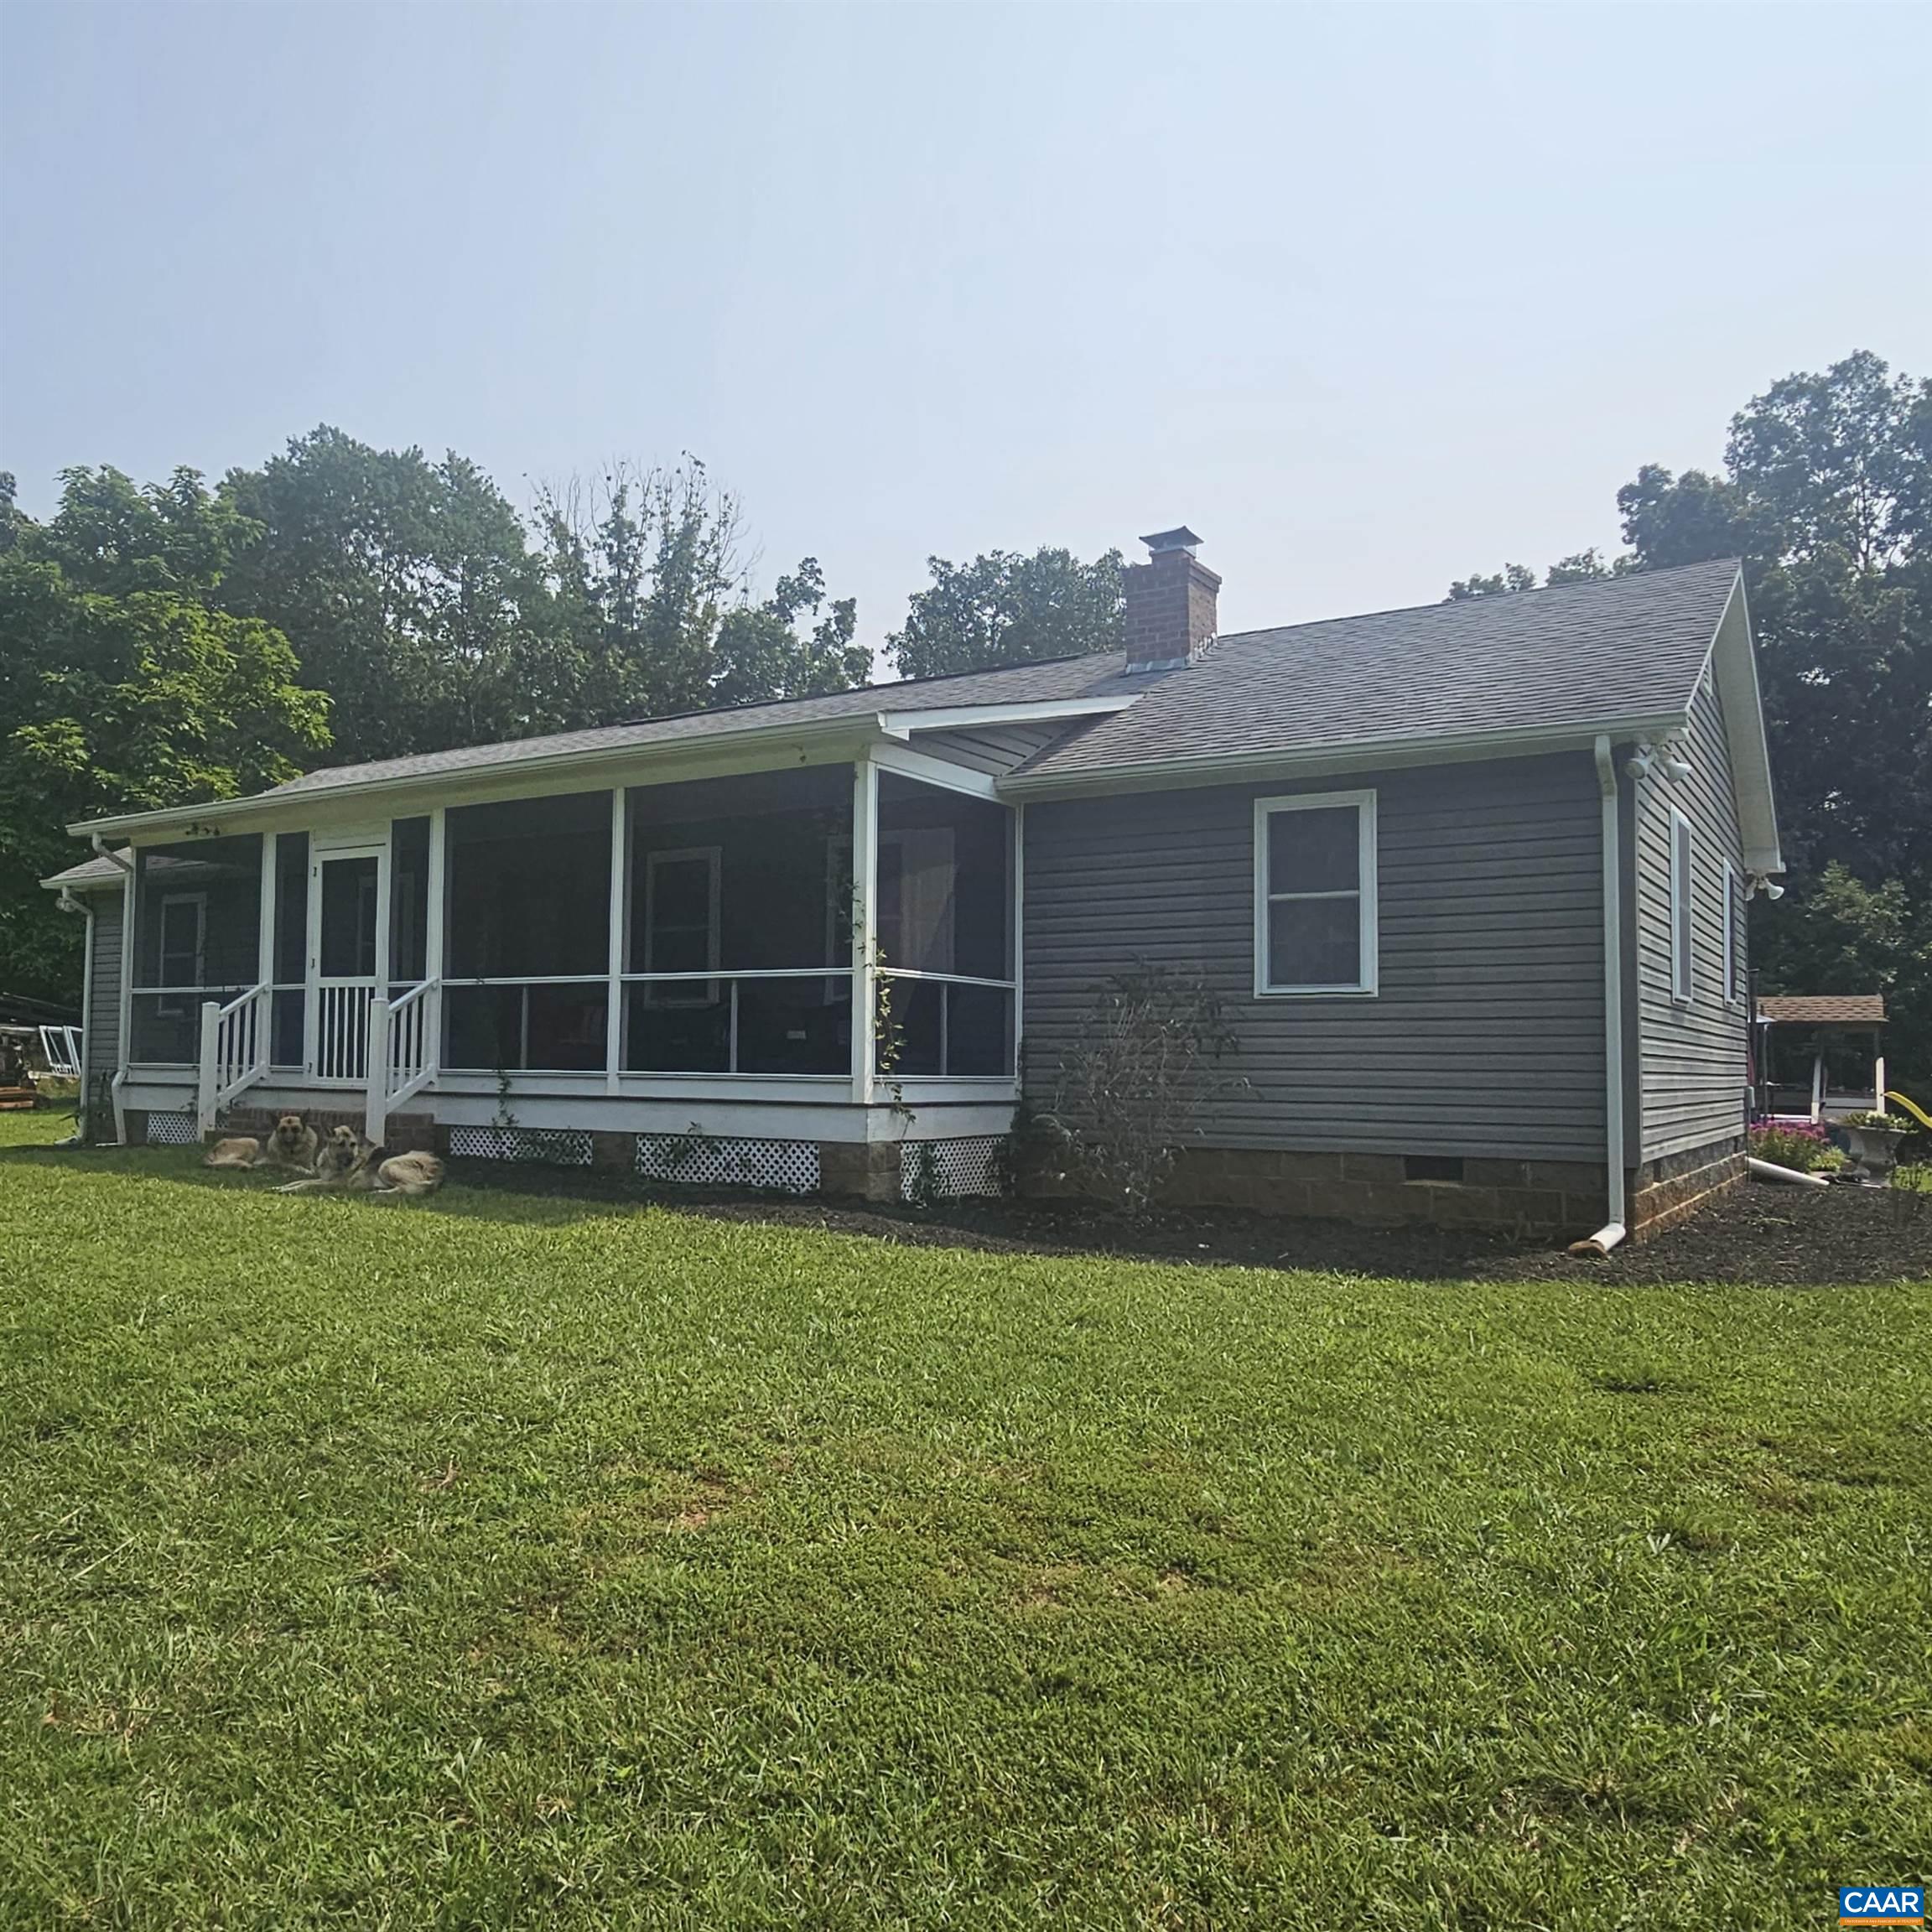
<point>520,1560</point>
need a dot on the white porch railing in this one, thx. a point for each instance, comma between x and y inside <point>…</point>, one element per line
<point>342,1029</point>
<point>402,1036</point>
<point>234,1051</point>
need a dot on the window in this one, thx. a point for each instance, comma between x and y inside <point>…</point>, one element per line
<point>681,923</point>
<point>184,945</point>
<point>1315,894</point>
<point>1733,935</point>
<point>1680,905</point>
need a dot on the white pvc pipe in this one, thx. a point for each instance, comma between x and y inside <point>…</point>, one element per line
<point>1770,1170</point>
<point>1602,1242</point>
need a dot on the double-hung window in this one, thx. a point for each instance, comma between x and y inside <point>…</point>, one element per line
<point>1682,898</point>
<point>1315,894</point>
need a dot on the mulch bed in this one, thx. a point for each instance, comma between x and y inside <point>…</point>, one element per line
<point>1761,1233</point>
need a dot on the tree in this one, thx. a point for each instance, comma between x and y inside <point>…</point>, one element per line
<point>131,697</point>
<point>1580,567</point>
<point>1004,609</point>
<point>408,590</point>
<point>653,608</point>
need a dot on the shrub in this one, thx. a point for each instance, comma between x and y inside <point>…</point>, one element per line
<point>1798,1144</point>
<point>1130,1086</point>
<point>1914,1180</point>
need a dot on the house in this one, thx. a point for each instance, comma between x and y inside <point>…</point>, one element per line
<point>1469,879</point>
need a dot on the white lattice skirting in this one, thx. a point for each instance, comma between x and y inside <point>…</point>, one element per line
<point>171,1131</point>
<point>551,1146</point>
<point>947,1169</point>
<point>713,1161</point>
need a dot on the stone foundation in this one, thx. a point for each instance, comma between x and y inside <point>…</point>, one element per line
<point>1531,1196</point>
<point>868,1169</point>
<point>1663,1192</point>
<point>1559,1198</point>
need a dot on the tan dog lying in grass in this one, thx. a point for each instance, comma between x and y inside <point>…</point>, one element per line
<point>294,1145</point>
<point>350,1161</point>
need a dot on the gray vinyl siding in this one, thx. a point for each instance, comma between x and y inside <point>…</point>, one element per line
<point>994,749</point>
<point>1486,1037</point>
<point>1690,1059</point>
<point>102,1020</point>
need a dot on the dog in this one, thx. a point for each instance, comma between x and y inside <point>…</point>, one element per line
<point>411,1175</point>
<point>335,1160</point>
<point>294,1145</point>
<point>350,1161</point>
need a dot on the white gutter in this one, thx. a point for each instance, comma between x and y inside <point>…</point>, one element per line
<point>100,850</point>
<point>1613,1231</point>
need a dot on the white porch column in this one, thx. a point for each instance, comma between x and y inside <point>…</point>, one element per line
<point>433,930</point>
<point>864,922</point>
<point>1818,1081</point>
<point>619,876</point>
<point>1878,1071</point>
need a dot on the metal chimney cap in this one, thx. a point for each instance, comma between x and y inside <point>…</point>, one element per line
<point>1181,537</point>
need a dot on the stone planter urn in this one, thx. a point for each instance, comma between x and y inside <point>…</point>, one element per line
<point>1874,1149</point>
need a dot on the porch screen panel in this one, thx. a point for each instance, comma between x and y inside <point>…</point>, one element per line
<point>527,922</point>
<point>945,930</point>
<point>734,915</point>
<point>291,956</point>
<point>408,903</point>
<point>197,937</point>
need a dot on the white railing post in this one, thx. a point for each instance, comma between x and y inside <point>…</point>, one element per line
<point>208,1078</point>
<point>376,1121</point>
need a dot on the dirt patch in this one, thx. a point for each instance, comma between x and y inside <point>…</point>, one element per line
<point>1760,1232</point>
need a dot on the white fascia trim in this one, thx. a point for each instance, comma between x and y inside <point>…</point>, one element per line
<point>690,759</point>
<point>964,716</point>
<point>1322,760</point>
<point>1733,661</point>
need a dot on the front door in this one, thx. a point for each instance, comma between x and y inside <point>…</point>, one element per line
<point>345,915</point>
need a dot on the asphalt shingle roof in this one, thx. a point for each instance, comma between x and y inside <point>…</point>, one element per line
<point>1818,1009</point>
<point>1018,683</point>
<point>1582,654</point>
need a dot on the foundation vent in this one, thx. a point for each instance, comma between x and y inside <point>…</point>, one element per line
<point>171,1131</point>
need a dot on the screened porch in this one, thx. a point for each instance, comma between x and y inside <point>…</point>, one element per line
<point>713,930</point>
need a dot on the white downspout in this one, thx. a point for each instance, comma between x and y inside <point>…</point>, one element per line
<point>67,903</point>
<point>1613,1231</point>
<point>127,999</point>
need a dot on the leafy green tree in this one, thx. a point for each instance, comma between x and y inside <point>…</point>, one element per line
<point>1580,567</point>
<point>1005,609</point>
<point>129,697</point>
<point>409,589</point>
<point>1826,493</point>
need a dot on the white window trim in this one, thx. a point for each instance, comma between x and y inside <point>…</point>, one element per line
<point>1365,886</point>
<point>1683,910</point>
<point>691,993</point>
<point>1733,935</point>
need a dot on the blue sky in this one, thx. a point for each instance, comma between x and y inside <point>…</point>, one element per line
<point>1370,296</point>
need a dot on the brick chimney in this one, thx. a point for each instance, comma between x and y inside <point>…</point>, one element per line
<point>1171,602</point>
